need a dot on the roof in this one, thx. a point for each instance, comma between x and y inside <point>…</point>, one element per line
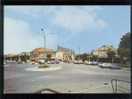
<point>62,49</point>
<point>42,50</point>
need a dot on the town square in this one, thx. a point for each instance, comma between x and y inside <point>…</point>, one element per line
<point>67,49</point>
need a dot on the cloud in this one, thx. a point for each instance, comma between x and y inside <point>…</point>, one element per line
<point>101,23</point>
<point>24,10</point>
<point>31,11</point>
<point>78,19</point>
<point>16,33</point>
<point>65,21</point>
<point>70,18</point>
<point>18,37</point>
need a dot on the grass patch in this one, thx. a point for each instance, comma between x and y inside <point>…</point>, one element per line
<point>125,65</point>
<point>44,66</point>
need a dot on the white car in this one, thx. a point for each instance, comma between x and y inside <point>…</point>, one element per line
<point>78,62</point>
<point>5,63</point>
<point>91,63</point>
<point>110,65</point>
<point>41,61</point>
<point>86,62</point>
<point>104,65</point>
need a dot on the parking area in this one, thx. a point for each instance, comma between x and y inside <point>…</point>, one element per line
<point>71,78</point>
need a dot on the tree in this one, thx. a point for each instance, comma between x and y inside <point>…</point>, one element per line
<point>111,54</point>
<point>48,56</point>
<point>77,57</point>
<point>84,57</point>
<point>124,48</point>
<point>93,57</point>
<point>89,57</point>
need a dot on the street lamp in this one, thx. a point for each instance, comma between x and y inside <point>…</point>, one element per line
<point>79,53</point>
<point>44,37</point>
<point>44,41</point>
<point>42,30</point>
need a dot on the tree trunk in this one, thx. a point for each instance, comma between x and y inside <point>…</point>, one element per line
<point>112,60</point>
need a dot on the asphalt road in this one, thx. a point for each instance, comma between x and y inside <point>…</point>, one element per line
<point>71,78</point>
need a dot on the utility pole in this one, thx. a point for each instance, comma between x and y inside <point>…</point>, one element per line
<point>79,53</point>
<point>42,30</point>
<point>44,37</point>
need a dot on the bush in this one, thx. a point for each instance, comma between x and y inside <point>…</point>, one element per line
<point>43,66</point>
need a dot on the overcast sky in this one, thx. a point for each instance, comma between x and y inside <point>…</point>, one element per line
<point>87,27</point>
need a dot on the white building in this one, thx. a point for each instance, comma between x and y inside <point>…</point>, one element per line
<point>64,54</point>
<point>102,51</point>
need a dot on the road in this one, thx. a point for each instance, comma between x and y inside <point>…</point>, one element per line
<point>71,78</point>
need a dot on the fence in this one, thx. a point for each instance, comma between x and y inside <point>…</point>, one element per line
<point>119,86</point>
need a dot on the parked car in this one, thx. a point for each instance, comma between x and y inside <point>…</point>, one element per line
<point>110,65</point>
<point>115,66</point>
<point>33,62</point>
<point>94,63</point>
<point>61,62</point>
<point>5,63</point>
<point>104,65</point>
<point>86,62</point>
<point>53,62</point>
<point>75,62</point>
<point>20,62</point>
<point>91,62</point>
<point>78,62</point>
<point>41,61</point>
<point>48,62</point>
<point>57,62</point>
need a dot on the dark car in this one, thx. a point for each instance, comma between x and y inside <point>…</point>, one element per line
<point>115,66</point>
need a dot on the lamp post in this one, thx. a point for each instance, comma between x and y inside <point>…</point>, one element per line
<point>79,53</point>
<point>44,37</point>
<point>42,30</point>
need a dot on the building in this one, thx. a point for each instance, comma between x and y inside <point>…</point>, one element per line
<point>10,57</point>
<point>102,51</point>
<point>64,54</point>
<point>25,53</point>
<point>41,53</point>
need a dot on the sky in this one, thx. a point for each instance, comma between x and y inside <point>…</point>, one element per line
<point>75,27</point>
